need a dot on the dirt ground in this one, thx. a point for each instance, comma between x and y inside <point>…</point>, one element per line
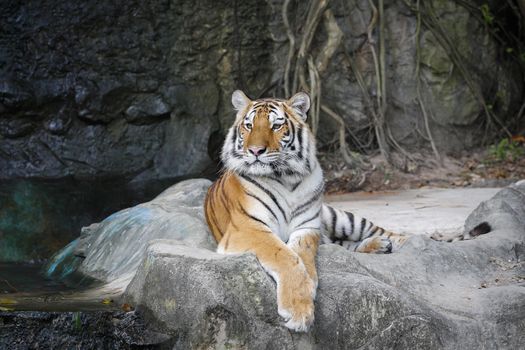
<point>489,167</point>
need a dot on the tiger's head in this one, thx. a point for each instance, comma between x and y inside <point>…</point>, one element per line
<point>270,137</point>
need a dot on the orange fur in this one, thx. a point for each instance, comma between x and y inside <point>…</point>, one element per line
<point>262,135</point>
<point>236,232</point>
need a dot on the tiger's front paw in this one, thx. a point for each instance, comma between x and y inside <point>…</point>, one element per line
<point>300,316</point>
<point>296,304</point>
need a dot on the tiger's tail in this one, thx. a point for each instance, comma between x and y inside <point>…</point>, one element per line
<point>356,233</point>
<point>480,229</point>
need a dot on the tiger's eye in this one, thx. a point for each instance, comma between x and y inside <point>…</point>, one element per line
<point>276,126</point>
<point>248,126</point>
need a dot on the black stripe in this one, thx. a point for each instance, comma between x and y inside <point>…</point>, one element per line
<point>351,219</point>
<point>265,205</point>
<point>382,231</point>
<point>236,154</point>
<point>234,136</point>
<point>222,182</point>
<point>363,224</point>
<point>253,217</point>
<point>292,130</point>
<point>270,194</point>
<point>370,233</point>
<point>334,218</point>
<point>307,152</point>
<point>300,140</point>
<point>294,187</point>
<point>276,179</point>
<point>309,219</point>
<point>223,200</point>
<point>317,193</point>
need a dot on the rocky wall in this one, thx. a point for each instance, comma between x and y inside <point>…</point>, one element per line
<point>141,89</point>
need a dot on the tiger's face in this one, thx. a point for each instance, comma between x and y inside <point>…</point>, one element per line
<point>269,137</point>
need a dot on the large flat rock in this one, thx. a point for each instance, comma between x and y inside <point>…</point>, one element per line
<point>428,295</point>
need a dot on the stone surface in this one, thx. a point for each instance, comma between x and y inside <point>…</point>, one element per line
<point>112,249</point>
<point>140,89</point>
<point>421,211</point>
<point>81,330</point>
<point>428,295</point>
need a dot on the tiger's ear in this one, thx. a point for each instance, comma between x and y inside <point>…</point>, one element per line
<point>300,102</point>
<point>239,100</point>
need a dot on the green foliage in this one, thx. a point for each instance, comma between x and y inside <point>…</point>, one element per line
<point>487,15</point>
<point>506,149</point>
<point>77,321</point>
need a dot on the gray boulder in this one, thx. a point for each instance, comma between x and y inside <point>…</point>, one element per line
<point>428,295</point>
<point>114,248</point>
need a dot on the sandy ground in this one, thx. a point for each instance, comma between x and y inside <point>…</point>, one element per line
<point>417,211</point>
<point>422,197</point>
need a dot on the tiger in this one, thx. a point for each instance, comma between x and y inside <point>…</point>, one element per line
<point>269,201</point>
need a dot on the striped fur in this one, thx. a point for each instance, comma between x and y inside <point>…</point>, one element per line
<point>269,201</point>
<point>480,229</point>
<point>356,233</point>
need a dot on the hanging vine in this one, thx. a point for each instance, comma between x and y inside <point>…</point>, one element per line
<point>304,70</point>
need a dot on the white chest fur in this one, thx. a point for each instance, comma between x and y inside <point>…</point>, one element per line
<point>285,205</point>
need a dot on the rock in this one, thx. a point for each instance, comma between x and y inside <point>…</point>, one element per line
<point>77,330</point>
<point>113,248</point>
<point>39,216</point>
<point>16,128</point>
<point>147,106</point>
<point>428,295</point>
<point>134,84</point>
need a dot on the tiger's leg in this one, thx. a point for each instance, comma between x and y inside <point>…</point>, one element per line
<point>295,287</point>
<point>376,244</point>
<point>396,240</point>
<point>305,244</point>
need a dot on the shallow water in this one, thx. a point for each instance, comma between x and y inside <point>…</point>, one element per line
<point>38,217</point>
<point>23,287</point>
<point>28,278</point>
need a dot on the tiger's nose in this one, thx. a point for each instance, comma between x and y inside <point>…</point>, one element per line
<point>256,150</point>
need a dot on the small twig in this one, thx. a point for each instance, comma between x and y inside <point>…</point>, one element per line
<point>315,90</point>
<point>380,78</point>
<point>418,84</point>
<point>312,20</point>
<point>398,146</point>
<point>291,49</point>
<point>520,113</point>
<point>335,35</point>
<point>350,157</point>
<point>9,285</point>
